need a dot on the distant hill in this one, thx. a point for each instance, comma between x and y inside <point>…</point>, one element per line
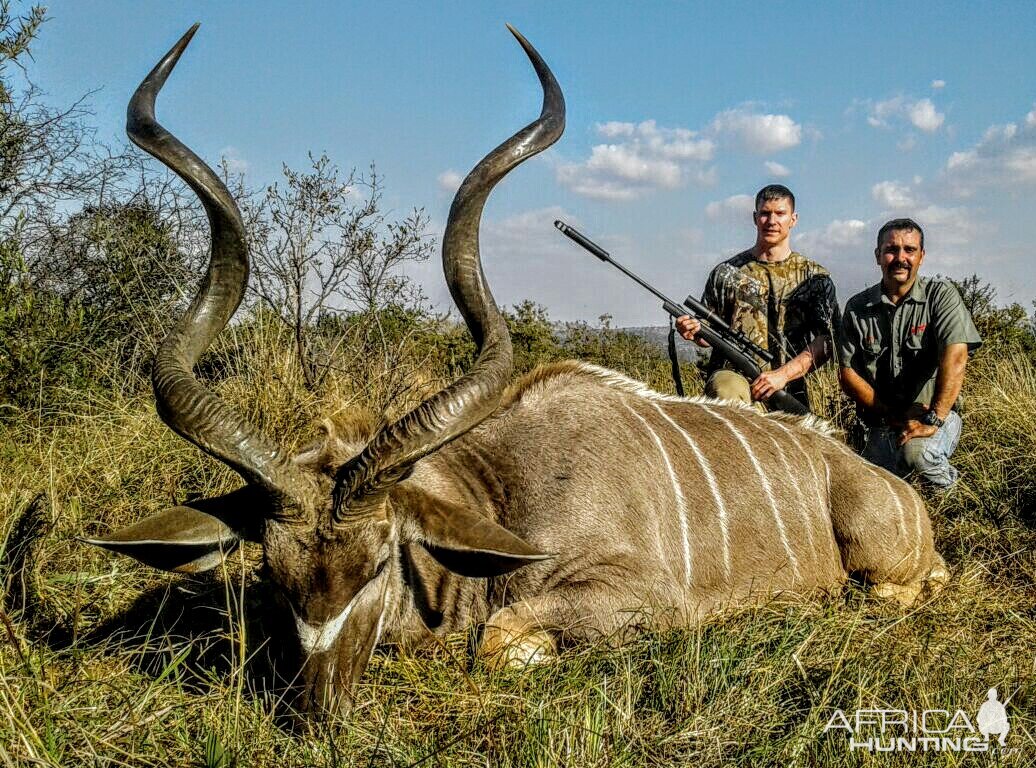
<point>658,335</point>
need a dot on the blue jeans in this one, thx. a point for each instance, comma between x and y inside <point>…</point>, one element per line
<point>929,457</point>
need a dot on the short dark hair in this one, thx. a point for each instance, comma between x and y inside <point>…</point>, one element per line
<point>899,225</point>
<point>774,192</point>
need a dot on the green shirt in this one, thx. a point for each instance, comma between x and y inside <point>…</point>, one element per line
<point>896,348</point>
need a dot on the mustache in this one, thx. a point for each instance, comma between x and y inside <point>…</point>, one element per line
<point>899,265</point>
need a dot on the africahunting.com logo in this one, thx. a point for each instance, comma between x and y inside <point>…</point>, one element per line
<point>927,730</point>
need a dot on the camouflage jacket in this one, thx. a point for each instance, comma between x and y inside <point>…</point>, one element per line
<point>780,306</point>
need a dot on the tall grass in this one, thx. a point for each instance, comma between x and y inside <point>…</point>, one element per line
<point>104,662</point>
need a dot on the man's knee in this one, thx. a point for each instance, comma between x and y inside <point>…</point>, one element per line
<point>914,454</point>
<point>923,456</point>
<point>882,450</point>
<point>728,385</point>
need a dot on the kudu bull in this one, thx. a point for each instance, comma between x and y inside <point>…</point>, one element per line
<point>606,505</point>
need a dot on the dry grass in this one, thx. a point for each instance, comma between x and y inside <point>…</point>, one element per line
<point>103,662</point>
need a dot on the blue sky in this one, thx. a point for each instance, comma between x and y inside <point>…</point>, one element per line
<point>677,112</point>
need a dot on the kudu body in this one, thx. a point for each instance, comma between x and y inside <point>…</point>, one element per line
<point>575,503</point>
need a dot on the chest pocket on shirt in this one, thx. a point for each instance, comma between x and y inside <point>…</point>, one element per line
<point>871,349</point>
<point>914,351</point>
<point>870,343</point>
<point>914,343</point>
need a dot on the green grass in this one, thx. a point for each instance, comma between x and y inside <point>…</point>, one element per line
<point>103,662</point>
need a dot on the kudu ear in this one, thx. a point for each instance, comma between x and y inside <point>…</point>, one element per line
<point>191,538</point>
<point>470,544</point>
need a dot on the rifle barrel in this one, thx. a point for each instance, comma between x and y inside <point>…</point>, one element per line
<point>723,338</point>
<point>603,255</point>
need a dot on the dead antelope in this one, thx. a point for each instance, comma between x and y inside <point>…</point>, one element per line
<point>599,499</point>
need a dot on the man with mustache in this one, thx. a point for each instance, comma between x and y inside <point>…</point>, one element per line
<point>903,348</point>
<point>782,301</point>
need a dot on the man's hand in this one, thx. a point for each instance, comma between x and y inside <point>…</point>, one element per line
<point>768,383</point>
<point>913,428</point>
<point>688,327</point>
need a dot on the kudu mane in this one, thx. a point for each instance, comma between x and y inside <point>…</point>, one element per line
<point>564,373</point>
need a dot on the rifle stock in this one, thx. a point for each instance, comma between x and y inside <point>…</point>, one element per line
<point>720,336</point>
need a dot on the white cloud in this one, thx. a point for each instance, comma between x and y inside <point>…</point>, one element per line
<point>959,160</point>
<point>735,206</point>
<point>1004,156</point>
<point>776,169</point>
<point>892,195</point>
<point>646,158</point>
<point>883,111</point>
<point>938,85</point>
<point>615,129</point>
<point>449,180</point>
<point>518,230</point>
<point>921,113</point>
<point>639,158</point>
<point>843,246</point>
<point>758,133</point>
<point>844,232</point>
<point>840,233</point>
<point>924,115</point>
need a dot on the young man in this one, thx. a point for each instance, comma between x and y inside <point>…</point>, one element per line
<point>779,299</point>
<point>903,348</point>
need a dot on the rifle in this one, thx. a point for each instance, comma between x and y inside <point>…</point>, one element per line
<point>734,346</point>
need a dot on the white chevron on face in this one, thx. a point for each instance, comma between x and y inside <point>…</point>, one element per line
<point>319,638</point>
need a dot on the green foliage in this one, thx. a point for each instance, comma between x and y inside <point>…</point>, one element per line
<point>1003,328</point>
<point>16,34</point>
<point>41,338</point>
<point>532,336</point>
<point>120,261</point>
<point>321,244</point>
<point>98,301</point>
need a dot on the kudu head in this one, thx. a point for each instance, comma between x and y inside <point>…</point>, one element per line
<point>330,532</point>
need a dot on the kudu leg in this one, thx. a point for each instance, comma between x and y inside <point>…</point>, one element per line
<point>883,530</point>
<point>529,631</point>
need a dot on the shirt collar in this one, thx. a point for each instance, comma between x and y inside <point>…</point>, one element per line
<point>873,295</point>
<point>791,257</point>
<point>918,293</point>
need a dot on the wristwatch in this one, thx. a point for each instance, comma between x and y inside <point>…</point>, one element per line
<point>930,418</point>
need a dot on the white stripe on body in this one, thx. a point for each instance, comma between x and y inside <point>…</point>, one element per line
<point>766,488</point>
<point>681,504</point>
<point>823,505</point>
<point>710,478</point>
<point>918,507</point>
<point>800,493</point>
<point>881,473</point>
